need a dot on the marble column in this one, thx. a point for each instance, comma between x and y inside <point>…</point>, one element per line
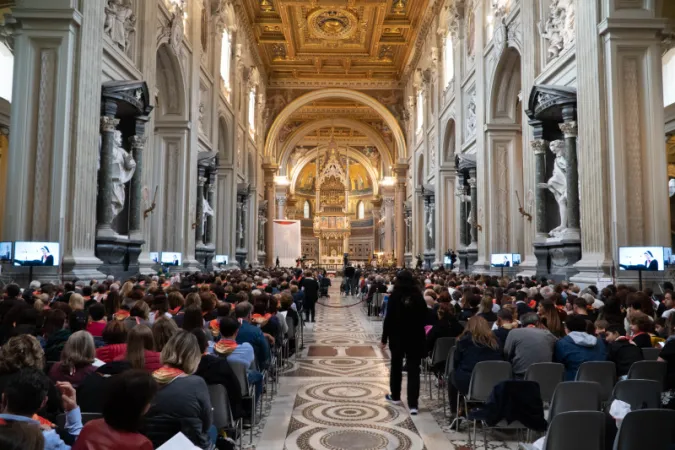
<point>400,170</point>
<point>210,197</point>
<point>55,123</point>
<point>539,146</point>
<point>136,187</point>
<point>569,129</point>
<point>474,208</point>
<point>408,230</point>
<point>104,214</point>
<point>281,206</point>
<point>461,195</point>
<point>244,223</point>
<point>239,225</point>
<point>270,171</point>
<point>388,230</point>
<point>199,231</point>
<point>377,215</point>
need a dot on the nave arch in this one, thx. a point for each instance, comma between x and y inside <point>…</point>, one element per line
<point>305,129</point>
<point>355,154</point>
<point>272,153</point>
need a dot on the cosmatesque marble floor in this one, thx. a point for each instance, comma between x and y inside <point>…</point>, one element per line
<point>331,397</point>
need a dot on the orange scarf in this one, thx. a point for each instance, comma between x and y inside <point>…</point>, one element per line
<point>214,326</point>
<point>261,320</point>
<point>175,311</point>
<point>165,375</point>
<point>121,314</point>
<point>225,347</point>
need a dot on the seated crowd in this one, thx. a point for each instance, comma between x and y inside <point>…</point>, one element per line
<point>142,353</point>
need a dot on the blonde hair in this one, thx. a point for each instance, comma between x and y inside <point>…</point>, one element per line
<point>193,299</point>
<point>479,331</point>
<point>182,352</point>
<point>78,352</point>
<point>76,302</point>
<point>21,352</point>
<point>485,304</point>
<point>126,289</point>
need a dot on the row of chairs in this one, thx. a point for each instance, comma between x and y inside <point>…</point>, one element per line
<point>647,428</point>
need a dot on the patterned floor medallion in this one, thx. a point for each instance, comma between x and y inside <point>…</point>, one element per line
<point>335,394</point>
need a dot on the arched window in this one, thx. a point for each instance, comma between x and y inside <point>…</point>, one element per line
<point>251,111</point>
<point>420,111</point>
<point>225,57</point>
<point>307,210</point>
<point>6,74</point>
<point>448,62</point>
<point>360,211</point>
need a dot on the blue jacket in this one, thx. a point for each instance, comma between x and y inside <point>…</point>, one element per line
<point>254,336</point>
<point>577,348</point>
<point>52,439</point>
<point>467,355</point>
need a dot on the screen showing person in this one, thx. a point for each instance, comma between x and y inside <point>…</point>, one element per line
<point>502,260</point>
<point>172,259</point>
<point>641,258</point>
<point>154,256</point>
<point>36,254</point>
<point>667,256</point>
<point>5,251</point>
<point>221,259</point>
<point>516,259</point>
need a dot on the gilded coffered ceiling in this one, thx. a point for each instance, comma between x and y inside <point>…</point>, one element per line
<point>362,44</point>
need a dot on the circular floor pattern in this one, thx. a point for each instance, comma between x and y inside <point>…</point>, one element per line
<point>348,413</point>
<point>349,363</point>
<point>332,392</point>
<point>365,437</point>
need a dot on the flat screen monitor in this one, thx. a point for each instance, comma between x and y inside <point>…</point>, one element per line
<point>172,259</point>
<point>516,259</point>
<point>37,254</point>
<point>501,260</point>
<point>154,256</point>
<point>667,256</point>
<point>6,251</point>
<point>222,259</point>
<point>641,258</point>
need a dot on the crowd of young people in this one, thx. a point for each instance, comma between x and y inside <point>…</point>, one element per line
<point>142,352</point>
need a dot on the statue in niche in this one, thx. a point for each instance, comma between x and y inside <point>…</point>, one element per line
<point>430,224</point>
<point>206,211</point>
<point>557,184</point>
<point>120,21</point>
<point>123,170</point>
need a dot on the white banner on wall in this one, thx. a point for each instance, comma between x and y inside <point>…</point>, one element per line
<point>287,242</point>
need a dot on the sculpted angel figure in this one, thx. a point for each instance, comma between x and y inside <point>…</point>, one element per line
<point>557,184</point>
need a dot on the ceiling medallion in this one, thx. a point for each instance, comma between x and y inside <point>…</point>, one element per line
<point>332,24</point>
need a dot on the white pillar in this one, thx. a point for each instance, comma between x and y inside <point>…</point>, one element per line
<point>55,123</point>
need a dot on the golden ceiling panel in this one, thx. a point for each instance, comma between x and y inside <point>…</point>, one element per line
<point>363,44</point>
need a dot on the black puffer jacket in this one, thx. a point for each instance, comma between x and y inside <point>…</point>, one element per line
<point>182,405</point>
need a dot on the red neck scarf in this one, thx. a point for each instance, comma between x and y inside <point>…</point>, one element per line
<point>225,347</point>
<point>165,375</point>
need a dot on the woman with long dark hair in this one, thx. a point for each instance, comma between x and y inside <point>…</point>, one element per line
<point>403,329</point>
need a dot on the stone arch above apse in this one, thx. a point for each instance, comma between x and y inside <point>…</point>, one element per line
<point>506,86</point>
<point>272,150</point>
<point>309,127</point>
<point>353,153</point>
<point>171,92</point>
<point>449,143</point>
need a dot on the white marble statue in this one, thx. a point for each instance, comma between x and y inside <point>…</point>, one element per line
<point>471,116</point>
<point>123,169</point>
<point>206,211</point>
<point>558,30</point>
<point>430,224</point>
<point>557,184</point>
<point>671,187</point>
<point>119,22</point>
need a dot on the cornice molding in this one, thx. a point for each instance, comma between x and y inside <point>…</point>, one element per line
<point>430,14</point>
<point>247,29</point>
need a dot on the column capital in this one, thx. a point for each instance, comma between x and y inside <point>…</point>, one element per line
<point>137,142</point>
<point>539,146</point>
<point>569,128</point>
<point>201,181</point>
<point>109,124</point>
<point>472,182</point>
<point>281,200</point>
<point>377,202</point>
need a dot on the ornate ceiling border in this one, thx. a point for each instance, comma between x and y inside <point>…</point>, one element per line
<point>431,13</point>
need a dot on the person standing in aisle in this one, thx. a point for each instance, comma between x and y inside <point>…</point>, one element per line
<point>403,330</point>
<point>311,288</point>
